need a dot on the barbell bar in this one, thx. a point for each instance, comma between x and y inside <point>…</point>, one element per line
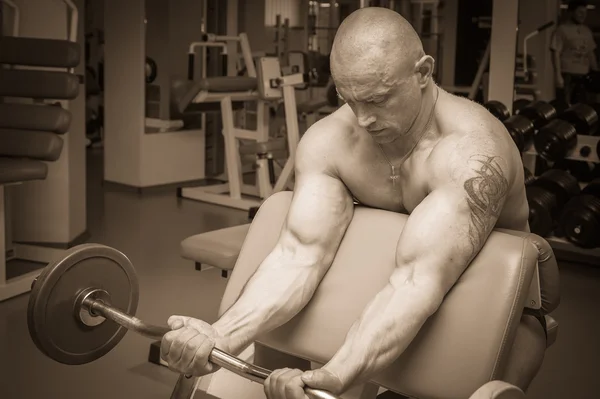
<point>75,314</point>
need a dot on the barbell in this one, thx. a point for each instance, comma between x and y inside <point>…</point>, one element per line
<point>83,304</point>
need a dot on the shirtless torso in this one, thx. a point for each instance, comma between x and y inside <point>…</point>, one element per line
<point>359,163</point>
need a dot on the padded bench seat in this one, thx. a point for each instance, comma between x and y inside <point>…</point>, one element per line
<point>43,146</point>
<point>46,118</point>
<point>15,170</point>
<point>218,248</point>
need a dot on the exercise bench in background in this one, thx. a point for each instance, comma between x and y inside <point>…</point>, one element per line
<point>264,86</point>
<point>31,123</point>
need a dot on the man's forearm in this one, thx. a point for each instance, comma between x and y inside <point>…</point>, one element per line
<point>275,294</point>
<point>385,329</point>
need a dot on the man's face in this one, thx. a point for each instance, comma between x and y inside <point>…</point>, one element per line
<point>385,106</point>
<point>579,14</point>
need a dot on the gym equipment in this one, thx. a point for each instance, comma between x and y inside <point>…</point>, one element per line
<point>30,136</point>
<point>583,171</point>
<point>519,104</point>
<point>560,105</point>
<point>47,119</point>
<point>151,70</point>
<point>580,221</point>
<point>583,117</point>
<point>497,109</point>
<point>529,177</point>
<point>521,130</point>
<point>585,151</point>
<point>268,86</point>
<point>560,183</point>
<point>40,52</point>
<point>555,140</point>
<point>543,210</point>
<point>593,188</point>
<point>218,248</point>
<point>526,57</point>
<point>58,319</point>
<point>435,364</point>
<point>592,82</point>
<point>82,305</point>
<point>539,113</point>
<point>38,84</point>
<point>44,146</point>
<point>547,196</point>
<point>580,218</point>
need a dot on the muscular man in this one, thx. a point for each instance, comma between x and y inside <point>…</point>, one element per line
<point>573,54</point>
<point>402,144</point>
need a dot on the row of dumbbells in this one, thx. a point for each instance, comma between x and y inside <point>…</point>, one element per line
<point>551,130</point>
<point>558,206</point>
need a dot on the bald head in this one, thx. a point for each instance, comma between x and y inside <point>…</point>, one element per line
<point>375,40</point>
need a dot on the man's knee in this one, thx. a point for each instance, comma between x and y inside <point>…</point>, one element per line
<point>527,353</point>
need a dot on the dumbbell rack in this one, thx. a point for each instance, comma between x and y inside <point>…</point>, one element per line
<point>565,250</point>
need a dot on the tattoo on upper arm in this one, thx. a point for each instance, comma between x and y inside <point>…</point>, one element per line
<point>485,194</point>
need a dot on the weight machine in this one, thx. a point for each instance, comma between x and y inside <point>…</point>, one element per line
<point>264,85</point>
<point>35,118</point>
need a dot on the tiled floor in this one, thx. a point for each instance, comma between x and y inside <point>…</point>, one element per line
<point>148,228</point>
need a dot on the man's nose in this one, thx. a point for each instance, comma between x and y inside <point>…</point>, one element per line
<point>365,119</point>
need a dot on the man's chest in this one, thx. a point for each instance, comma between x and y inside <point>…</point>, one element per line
<point>376,183</point>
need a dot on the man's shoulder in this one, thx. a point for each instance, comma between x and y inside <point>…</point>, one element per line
<point>325,142</point>
<point>466,117</point>
<point>475,145</point>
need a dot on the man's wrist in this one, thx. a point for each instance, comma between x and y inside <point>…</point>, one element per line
<point>226,342</point>
<point>345,382</point>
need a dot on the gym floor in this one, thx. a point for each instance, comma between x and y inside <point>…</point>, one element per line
<point>148,229</point>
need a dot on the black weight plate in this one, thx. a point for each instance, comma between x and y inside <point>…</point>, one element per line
<point>583,117</point>
<point>497,109</point>
<point>539,112</point>
<point>519,104</point>
<point>582,171</point>
<point>555,140</point>
<point>521,130</point>
<point>542,210</point>
<point>559,182</point>
<point>592,188</point>
<point>51,315</point>
<point>528,176</point>
<point>560,106</point>
<point>580,221</point>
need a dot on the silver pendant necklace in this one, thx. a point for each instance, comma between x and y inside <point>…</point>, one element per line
<point>393,176</point>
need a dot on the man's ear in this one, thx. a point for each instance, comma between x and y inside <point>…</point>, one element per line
<point>424,69</point>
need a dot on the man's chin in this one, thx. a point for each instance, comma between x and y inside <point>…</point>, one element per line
<point>384,137</point>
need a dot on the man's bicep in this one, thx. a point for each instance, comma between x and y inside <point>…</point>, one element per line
<point>319,215</point>
<point>453,222</point>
